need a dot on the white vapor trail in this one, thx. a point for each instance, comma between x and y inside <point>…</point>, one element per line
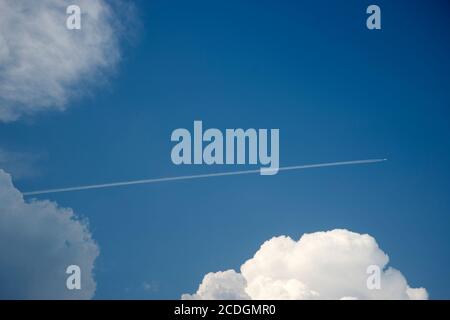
<point>209,175</point>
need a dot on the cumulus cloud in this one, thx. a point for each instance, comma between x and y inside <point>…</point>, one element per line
<point>38,241</point>
<point>321,265</point>
<point>226,285</point>
<point>42,63</point>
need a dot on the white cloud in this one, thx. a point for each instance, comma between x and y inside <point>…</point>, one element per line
<point>226,285</point>
<point>38,240</point>
<point>42,63</point>
<point>321,265</point>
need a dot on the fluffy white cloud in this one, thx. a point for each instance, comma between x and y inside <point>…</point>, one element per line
<point>226,285</point>
<point>38,240</point>
<point>42,63</point>
<point>321,265</point>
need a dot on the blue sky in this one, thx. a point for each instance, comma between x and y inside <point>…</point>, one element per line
<point>336,90</point>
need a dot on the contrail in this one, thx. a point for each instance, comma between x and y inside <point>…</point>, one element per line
<point>199,176</point>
